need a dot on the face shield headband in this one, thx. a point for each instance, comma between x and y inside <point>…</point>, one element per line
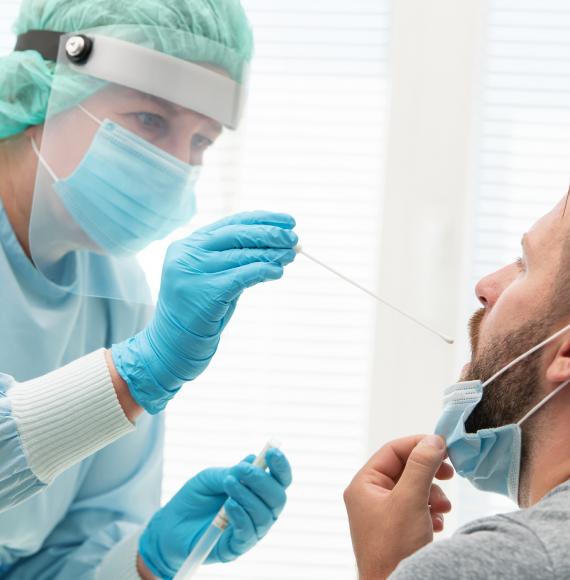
<point>188,84</point>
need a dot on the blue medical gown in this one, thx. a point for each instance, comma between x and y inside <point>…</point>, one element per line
<point>66,529</point>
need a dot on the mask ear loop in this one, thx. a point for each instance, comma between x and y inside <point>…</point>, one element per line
<point>90,115</point>
<point>527,353</point>
<point>42,160</point>
<point>39,155</point>
<point>543,402</point>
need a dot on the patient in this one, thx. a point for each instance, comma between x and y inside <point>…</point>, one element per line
<point>393,505</point>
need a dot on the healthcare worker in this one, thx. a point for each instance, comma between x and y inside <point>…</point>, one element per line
<point>106,111</point>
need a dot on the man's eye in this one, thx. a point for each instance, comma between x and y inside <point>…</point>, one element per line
<point>151,121</point>
<point>201,142</point>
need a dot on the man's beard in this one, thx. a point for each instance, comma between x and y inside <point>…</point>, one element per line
<point>509,397</point>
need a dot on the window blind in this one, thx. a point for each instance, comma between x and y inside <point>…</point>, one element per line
<point>295,361</point>
<point>524,145</point>
<point>525,142</point>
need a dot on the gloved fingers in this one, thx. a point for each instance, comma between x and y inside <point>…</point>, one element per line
<point>279,467</point>
<point>263,485</point>
<point>228,315</point>
<point>438,501</point>
<point>248,276</point>
<point>206,485</point>
<point>281,220</point>
<point>240,237</point>
<point>260,514</point>
<point>211,262</point>
<point>243,530</point>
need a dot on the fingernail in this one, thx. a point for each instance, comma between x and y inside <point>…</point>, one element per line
<point>433,441</point>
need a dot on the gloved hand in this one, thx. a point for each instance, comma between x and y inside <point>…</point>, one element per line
<point>202,280</point>
<point>256,499</point>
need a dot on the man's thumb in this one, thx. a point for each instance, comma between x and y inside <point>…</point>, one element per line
<point>421,467</point>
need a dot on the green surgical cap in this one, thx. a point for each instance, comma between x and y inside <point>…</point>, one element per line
<point>215,32</point>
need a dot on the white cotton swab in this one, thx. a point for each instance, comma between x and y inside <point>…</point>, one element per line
<point>300,250</point>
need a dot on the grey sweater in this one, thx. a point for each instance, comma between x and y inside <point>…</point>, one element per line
<point>532,544</point>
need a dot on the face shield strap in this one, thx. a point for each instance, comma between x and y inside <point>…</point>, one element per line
<point>46,42</point>
<point>187,84</point>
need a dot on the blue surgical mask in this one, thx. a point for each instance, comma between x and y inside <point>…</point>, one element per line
<point>490,458</point>
<point>126,192</point>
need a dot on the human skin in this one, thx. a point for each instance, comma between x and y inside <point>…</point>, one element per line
<point>390,509</point>
<point>188,138</point>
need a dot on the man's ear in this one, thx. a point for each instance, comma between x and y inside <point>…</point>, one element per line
<point>558,370</point>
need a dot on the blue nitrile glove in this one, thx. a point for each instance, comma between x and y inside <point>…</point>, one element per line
<point>202,280</point>
<point>256,499</point>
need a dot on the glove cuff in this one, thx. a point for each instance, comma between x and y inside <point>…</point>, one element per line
<point>160,569</point>
<point>150,385</point>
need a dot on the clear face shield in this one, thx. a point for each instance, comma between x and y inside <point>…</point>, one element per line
<point>131,112</point>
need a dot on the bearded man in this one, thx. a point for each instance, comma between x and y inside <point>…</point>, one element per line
<point>506,428</point>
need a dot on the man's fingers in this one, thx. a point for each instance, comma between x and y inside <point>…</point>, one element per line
<point>438,522</point>
<point>446,471</point>
<point>391,459</point>
<point>425,459</point>
<point>438,501</point>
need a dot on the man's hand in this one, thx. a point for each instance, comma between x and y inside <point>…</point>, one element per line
<point>393,505</point>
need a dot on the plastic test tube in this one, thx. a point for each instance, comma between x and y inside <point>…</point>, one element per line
<point>210,538</point>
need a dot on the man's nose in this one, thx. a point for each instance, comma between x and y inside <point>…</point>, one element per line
<point>490,288</point>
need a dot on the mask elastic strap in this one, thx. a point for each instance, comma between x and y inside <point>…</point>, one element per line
<point>90,115</point>
<point>527,353</point>
<point>42,160</point>
<point>543,402</point>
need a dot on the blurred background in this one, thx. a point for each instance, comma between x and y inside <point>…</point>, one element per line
<point>414,142</point>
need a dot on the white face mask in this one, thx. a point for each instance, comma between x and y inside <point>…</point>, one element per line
<point>491,458</point>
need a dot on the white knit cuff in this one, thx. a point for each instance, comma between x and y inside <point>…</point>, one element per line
<point>121,561</point>
<point>67,415</point>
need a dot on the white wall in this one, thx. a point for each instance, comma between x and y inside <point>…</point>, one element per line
<point>412,164</point>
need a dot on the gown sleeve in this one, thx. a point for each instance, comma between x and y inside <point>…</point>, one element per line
<point>98,537</point>
<point>53,422</point>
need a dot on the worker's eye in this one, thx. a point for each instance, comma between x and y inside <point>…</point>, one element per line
<point>151,123</point>
<point>201,142</point>
<point>520,265</point>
